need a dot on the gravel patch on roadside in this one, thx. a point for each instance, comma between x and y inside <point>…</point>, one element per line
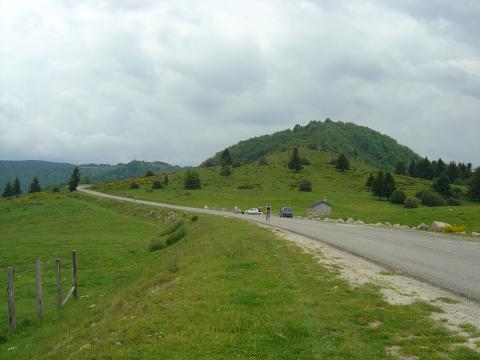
<point>397,289</point>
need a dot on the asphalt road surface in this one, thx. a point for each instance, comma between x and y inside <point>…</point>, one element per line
<point>445,261</point>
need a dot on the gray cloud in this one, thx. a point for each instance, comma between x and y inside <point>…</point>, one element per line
<point>110,81</point>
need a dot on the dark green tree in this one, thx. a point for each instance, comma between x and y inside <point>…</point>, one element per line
<point>34,186</point>
<point>378,185</point>
<point>165,180</point>
<point>398,197</point>
<point>424,169</point>
<point>474,185</point>
<point>74,180</point>
<point>389,186</point>
<point>401,168</point>
<point>305,185</point>
<point>157,185</point>
<point>412,169</point>
<point>452,171</point>
<point>442,185</point>
<point>8,191</point>
<point>440,168</point>
<point>370,182</point>
<point>295,162</point>
<point>342,163</point>
<point>149,173</point>
<point>226,158</point>
<point>17,189</point>
<point>192,180</point>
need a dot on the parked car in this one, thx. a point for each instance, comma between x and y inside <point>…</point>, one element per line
<point>286,212</point>
<point>253,211</point>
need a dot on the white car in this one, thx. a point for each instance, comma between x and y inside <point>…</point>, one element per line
<point>253,211</point>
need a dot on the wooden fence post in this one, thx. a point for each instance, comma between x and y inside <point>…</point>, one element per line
<point>38,287</point>
<point>74,274</point>
<point>59,284</point>
<point>12,317</point>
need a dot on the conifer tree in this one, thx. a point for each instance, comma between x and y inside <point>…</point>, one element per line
<point>8,191</point>
<point>474,186</point>
<point>389,185</point>
<point>370,182</point>
<point>441,167</point>
<point>74,179</point>
<point>342,163</point>
<point>442,185</point>
<point>378,185</point>
<point>412,169</point>
<point>17,190</point>
<point>34,186</point>
<point>401,168</point>
<point>452,171</point>
<point>165,180</point>
<point>226,163</point>
<point>295,162</point>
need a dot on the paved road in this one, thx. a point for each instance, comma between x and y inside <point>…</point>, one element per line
<point>447,262</point>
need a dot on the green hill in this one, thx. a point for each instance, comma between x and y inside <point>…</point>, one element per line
<point>358,142</point>
<point>56,174</point>
<point>254,185</point>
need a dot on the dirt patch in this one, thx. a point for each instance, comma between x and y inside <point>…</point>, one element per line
<point>397,289</point>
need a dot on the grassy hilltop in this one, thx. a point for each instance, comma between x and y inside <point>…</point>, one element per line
<point>254,185</point>
<point>229,289</point>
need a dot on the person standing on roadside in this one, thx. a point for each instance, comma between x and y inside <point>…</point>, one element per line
<point>268,212</point>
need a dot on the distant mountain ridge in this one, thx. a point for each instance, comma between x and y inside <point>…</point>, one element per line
<point>357,142</point>
<point>57,174</point>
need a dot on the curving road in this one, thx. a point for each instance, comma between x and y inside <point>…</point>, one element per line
<point>444,261</point>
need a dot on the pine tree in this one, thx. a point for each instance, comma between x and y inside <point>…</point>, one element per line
<point>17,189</point>
<point>474,186</point>
<point>342,163</point>
<point>442,185</point>
<point>370,182</point>
<point>401,168</point>
<point>34,186</point>
<point>378,185</point>
<point>441,167</point>
<point>424,169</point>
<point>226,158</point>
<point>389,186</point>
<point>74,179</point>
<point>165,181</point>
<point>452,171</point>
<point>412,169</point>
<point>295,162</point>
<point>8,191</point>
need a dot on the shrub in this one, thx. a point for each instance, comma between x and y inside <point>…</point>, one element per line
<point>456,192</point>
<point>453,202</point>
<point>192,180</point>
<point>419,194</point>
<point>55,190</point>
<point>262,161</point>
<point>194,218</point>
<point>398,197</point>
<point>411,202</point>
<point>176,236</point>
<point>431,198</point>
<point>157,185</point>
<point>226,170</point>
<point>172,228</point>
<point>156,245</point>
<point>134,186</point>
<point>304,161</point>
<point>305,185</point>
<point>149,173</point>
<point>454,229</point>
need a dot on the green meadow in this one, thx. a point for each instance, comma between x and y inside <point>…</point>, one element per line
<point>253,185</point>
<point>228,289</point>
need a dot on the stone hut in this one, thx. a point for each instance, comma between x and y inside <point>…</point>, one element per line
<point>320,208</point>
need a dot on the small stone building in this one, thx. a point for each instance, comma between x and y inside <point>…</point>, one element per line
<point>320,208</point>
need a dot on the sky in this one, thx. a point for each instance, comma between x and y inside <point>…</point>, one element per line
<point>115,80</point>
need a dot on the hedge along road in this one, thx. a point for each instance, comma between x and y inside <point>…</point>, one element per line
<point>445,261</point>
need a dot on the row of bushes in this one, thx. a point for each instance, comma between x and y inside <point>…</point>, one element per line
<point>426,197</point>
<point>171,235</point>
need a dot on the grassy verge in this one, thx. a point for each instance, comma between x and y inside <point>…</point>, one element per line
<point>228,289</point>
<point>253,185</point>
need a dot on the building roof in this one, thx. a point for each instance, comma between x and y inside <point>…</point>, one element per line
<point>324,202</point>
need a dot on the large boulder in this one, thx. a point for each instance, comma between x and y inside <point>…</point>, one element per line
<point>475,234</point>
<point>438,226</point>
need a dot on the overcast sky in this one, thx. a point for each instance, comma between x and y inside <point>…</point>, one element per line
<point>176,81</point>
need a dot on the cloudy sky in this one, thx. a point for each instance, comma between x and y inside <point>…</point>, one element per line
<point>115,80</point>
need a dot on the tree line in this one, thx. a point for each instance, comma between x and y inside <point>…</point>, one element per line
<point>15,189</point>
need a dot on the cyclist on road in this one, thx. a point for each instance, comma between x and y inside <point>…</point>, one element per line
<point>268,212</point>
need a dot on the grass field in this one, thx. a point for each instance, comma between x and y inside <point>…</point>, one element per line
<point>275,184</point>
<point>227,290</point>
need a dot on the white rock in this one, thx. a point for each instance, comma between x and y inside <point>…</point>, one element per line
<point>438,226</point>
<point>350,221</point>
<point>396,226</point>
<point>341,221</point>
<point>359,222</point>
<point>388,224</point>
<point>475,234</point>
